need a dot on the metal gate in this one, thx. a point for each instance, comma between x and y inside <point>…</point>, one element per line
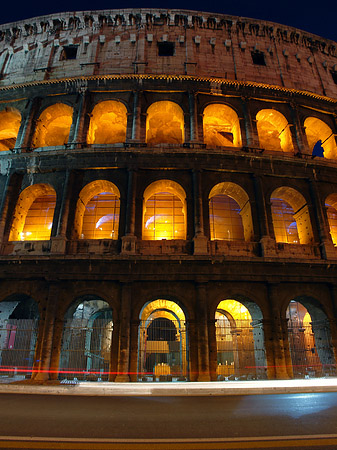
<point>86,349</point>
<point>162,353</point>
<point>17,344</point>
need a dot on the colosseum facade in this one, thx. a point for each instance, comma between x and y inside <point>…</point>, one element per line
<point>168,198</point>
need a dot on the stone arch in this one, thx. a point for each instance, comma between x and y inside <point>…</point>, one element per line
<point>309,338</point>
<point>34,213</point>
<point>162,341</point>
<point>290,215</point>
<point>87,340</point>
<point>108,122</point>
<point>10,121</point>
<point>320,137</point>
<point>164,211</point>
<point>97,211</point>
<point>230,220</point>
<point>53,126</point>
<point>221,126</point>
<point>239,340</point>
<point>331,211</point>
<point>274,131</point>
<point>19,323</point>
<point>165,123</point>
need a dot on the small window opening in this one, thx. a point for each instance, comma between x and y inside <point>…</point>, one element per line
<point>258,58</point>
<point>165,48</point>
<point>69,52</point>
<point>334,76</point>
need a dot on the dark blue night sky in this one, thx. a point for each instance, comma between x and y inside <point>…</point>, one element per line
<point>315,17</point>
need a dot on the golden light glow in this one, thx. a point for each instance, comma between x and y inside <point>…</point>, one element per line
<point>107,123</point>
<point>164,123</point>
<point>317,130</point>
<point>164,211</point>
<point>10,121</point>
<point>221,126</point>
<point>34,212</point>
<point>331,207</point>
<point>291,219</point>
<point>53,126</point>
<point>274,131</point>
<point>97,211</point>
<point>230,213</point>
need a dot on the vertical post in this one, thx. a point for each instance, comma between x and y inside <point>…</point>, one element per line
<point>129,240</point>
<point>299,138</point>
<point>78,119</point>
<point>192,103</point>
<point>213,350</point>
<point>28,125</point>
<point>250,129</point>
<point>203,348</point>
<point>200,240</point>
<point>136,117</point>
<point>123,365</point>
<point>134,349</point>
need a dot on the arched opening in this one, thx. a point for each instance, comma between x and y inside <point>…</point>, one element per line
<point>53,126</point>
<point>230,216</point>
<point>162,342</point>
<point>10,121</point>
<point>309,339</point>
<point>320,137</point>
<point>274,131</point>
<point>164,211</point>
<point>86,341</point>
<point>97,211</point>
<point>331,211</point>
<point>240,341</point>
<point>107,123</point>
<point>34,213</point>
<point>164,123</point>
<point>290,215</point>
<point>221,126</point>
<point>19,319</point>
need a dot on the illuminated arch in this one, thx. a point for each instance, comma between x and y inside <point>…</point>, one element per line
<point>230,213</point>
<point>290,215</point>
<point>331,211</point>
<point>164,123</point>
<point>97,211</point>
<point>86,340</point>
<point>221,126</point>
<point>240,346</point>
<point>107,123</point>
<point>164,211</point>
<point>162,342</point>
<point>274,131</point>
<point>309,339</point>
<point>53,126</point>
<point>34,212</point>
<point>10,121</point>
<point>319,132</point>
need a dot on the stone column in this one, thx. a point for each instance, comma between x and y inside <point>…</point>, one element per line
<point>27,126</point>
<point>42,369</point>
<point>200,240</point>
<point>192,102</point>
<point>78,120</point>
<point>267,243</point>
<point>134,350</point>
<point>193,349</point>
<point>129,240</point>
<point>136,117</point>
<point>123,365</point>
<point>250,129</point>
<point>113,365</point>
<point>213,350</point>
<point>298,132</point>
<point>202,319</point>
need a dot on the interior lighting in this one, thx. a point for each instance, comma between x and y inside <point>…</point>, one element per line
<point>274,131</point>
<point>107,123</point>
<point>10,121</point>
<point>221,126</point>
<point>164,123</point>
<point>317,130</point>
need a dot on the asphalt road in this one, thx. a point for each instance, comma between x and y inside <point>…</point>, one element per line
<point>219,422</point>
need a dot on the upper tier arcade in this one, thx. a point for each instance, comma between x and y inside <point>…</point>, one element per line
<point>176,42</point>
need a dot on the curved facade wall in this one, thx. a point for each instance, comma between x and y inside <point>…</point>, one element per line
<point>168,183</point>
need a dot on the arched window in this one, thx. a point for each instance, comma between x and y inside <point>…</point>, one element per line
<point>97,211</point>
<point>230,214</point>
<point>164,211</point>
<point>274,131</point>
<point>53,126</point>
<point>309,339</point>
<point>34,212</point>
<point>165,123</point>
<point>162,350</point>
<point>107,123</point>
<point>331,211</point>
<point>10,121</point>
<point>240,347</point>
<point>320,137</point>
<point>290,215</point>
<point>221,126</point>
